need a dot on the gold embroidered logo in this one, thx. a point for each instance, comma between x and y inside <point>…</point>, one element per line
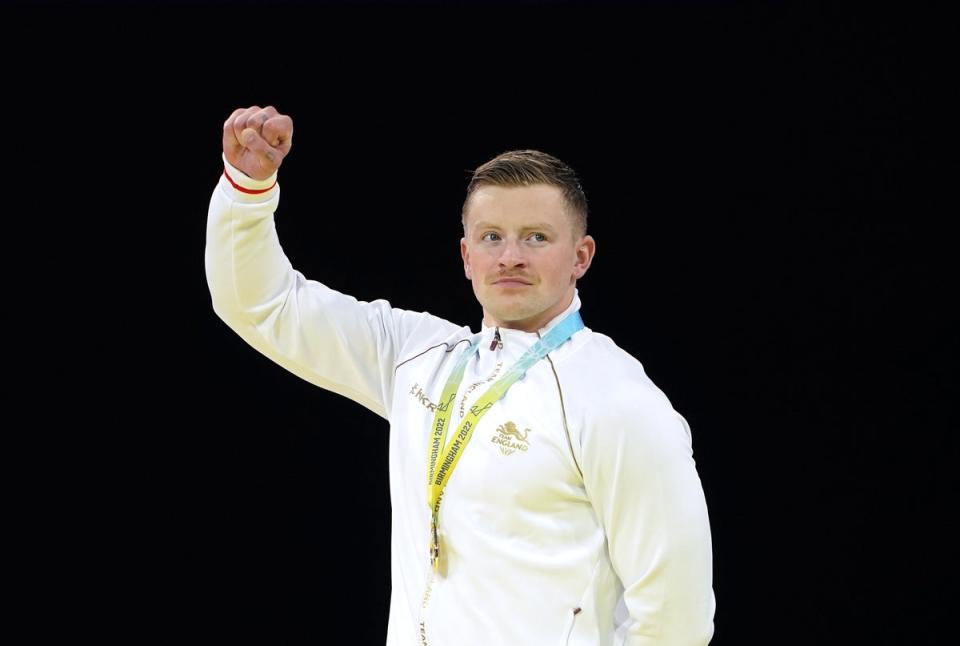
<point>421,396</point>
<point>510,439</point>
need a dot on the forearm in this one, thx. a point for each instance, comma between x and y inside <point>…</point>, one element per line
<point>248,273</point>
<point>670,597</point>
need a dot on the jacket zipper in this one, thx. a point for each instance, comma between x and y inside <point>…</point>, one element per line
<point>497,341</point>
<point>573,619</point>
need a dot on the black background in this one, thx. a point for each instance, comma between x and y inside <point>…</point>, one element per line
<point>771,246</point>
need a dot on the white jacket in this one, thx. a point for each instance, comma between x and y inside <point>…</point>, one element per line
<point>575,516</point>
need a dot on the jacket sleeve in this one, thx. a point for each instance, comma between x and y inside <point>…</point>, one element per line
<point>640,476</point>
<point>330,339</point>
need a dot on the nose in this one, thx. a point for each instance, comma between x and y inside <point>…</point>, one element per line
<point>512,255</point>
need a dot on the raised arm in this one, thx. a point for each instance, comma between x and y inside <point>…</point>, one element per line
<point>330,339</point>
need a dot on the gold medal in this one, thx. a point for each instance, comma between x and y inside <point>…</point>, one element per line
<point>434,545</point>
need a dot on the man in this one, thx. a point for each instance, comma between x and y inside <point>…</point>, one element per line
<point>543,488</point>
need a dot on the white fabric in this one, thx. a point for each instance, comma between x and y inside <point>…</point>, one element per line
<point>578,489</point>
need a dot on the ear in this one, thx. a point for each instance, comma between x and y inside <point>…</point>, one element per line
<point>465,254</point>
<point>585,250</point>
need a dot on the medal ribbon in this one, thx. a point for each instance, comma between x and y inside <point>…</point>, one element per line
<point>446,455</point>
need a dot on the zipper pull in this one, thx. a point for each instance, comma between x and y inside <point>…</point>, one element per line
<point>497,343</point>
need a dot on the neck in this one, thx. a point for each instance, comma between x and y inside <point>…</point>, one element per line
<point>531,324</point>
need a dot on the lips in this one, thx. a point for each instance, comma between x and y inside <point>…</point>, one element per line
<point>512,282</point>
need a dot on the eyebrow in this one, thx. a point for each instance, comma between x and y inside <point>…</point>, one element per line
<point>531,227</point>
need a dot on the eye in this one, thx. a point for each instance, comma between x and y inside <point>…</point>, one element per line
<point>490,236</point>
<point>538,237</point>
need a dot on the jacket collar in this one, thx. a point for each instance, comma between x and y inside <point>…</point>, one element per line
<point>487,331</point>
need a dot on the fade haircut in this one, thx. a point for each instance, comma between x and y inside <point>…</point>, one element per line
<point>526,168</point>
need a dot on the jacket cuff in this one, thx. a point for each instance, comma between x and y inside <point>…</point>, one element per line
<point>242,188</point>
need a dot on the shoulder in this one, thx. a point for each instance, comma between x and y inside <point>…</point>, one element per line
<point>608,372</point>
<point>609,390</point>
<point>423,326</point>
<point>430,334</point>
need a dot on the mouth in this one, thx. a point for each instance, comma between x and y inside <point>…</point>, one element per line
<point>512,282</point>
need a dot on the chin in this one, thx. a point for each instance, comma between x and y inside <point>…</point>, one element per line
<point>515,307</point>
<point>513,315</point>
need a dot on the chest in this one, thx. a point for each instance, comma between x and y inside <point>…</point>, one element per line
<point>519,452</point>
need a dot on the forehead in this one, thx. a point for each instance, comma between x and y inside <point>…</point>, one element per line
<point>517,204</point>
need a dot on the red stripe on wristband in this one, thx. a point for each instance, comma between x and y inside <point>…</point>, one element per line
<point>248,191</point>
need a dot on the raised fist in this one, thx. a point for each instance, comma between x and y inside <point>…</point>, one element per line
<point>256,140</point>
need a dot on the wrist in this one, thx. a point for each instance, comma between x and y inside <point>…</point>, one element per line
<point>243,183</point>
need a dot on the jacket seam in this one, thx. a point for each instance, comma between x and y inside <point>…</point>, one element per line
<point>449,349</point>
<point>563,411</point>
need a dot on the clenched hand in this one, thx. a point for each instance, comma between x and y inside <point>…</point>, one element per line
<point>256,140</point>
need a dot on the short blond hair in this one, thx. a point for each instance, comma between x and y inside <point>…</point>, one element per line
<point>526,168</point>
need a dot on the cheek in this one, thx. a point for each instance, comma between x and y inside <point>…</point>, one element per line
<point>480,262</point>
<point>559,269</point>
